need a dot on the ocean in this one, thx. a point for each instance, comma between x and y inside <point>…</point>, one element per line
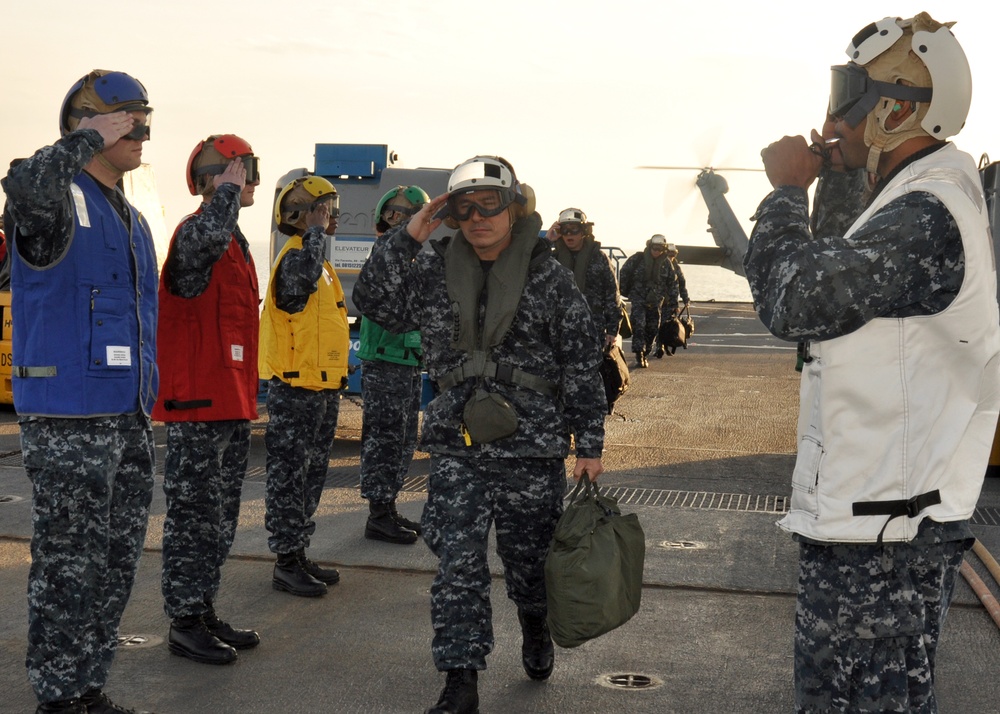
<point>710,282</point>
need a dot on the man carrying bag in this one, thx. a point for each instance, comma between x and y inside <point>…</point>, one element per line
<point>593,572</point>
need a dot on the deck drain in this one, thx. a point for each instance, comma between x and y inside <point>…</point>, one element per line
<point>10,499</point>
<point>138,642</point>
<point>681,545</point>
<point>629,680</point>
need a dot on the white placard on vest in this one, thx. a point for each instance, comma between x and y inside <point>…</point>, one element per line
<point>119,356</point>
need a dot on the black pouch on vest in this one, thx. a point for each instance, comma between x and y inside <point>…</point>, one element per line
<point>488,417</point>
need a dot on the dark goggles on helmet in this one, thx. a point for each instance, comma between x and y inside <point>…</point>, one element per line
<point>139,131</point>
<point>251,163</point>
<point>487,202</point>
<point>332,202</point>
<point>853,94</point>
<point>405,210</point>
<point>571,229</point>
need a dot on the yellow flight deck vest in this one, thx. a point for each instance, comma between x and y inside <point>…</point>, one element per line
<point>307,349</point>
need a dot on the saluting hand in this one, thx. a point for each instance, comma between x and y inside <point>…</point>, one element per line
<point>423,223</point>
<point>318,216</point>
<point>236,172</point>
<point>111,127</point>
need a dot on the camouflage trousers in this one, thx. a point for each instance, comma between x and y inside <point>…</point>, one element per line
<point>391,402</point>
<point>92,482</point>
<point>523,498</point>
<point>203,481</point>
<point>299,438</point>
<point>645,322</point>
<point>867,623</point>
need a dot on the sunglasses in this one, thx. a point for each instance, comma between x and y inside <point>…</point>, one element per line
<point>487,204</point>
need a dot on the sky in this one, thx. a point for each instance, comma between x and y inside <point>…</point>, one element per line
<point>576,95</point>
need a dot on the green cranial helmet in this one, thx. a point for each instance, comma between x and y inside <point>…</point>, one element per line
<point>397,203</point>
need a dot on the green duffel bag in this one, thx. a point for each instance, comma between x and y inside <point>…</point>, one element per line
<point>593,572</point>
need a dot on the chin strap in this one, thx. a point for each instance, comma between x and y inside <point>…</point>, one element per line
<point>107,164</point>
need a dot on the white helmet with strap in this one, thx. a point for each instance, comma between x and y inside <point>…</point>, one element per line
<point>917,60</point>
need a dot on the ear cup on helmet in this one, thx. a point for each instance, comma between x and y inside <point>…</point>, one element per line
<point>528,193</point>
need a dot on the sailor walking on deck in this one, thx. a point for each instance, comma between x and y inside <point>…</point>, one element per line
<point>508,339</point>
<point>574,245</point>
<point>647,279</point>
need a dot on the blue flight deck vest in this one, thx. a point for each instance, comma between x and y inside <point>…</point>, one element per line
<point>84,336</point>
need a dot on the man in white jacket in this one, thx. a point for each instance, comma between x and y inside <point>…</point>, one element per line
<point>890,289</point>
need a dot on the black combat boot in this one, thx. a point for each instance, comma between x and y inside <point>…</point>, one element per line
<point>189,637</point>
<point>460,694</point>
<point>63,706</point>
<point>330,576</point>
<point>97,702</point>
<point>638,360</point>
<point>382,526</point>
<point>537,652</point>
<point>291,576</point>
<point>659,352</point>
<point>237,639</point>
<point>403,520</point>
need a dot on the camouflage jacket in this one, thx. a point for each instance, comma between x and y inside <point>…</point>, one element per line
<point>601,292</point>
<point>637,288</point>
<point>682,286</point>
<point>403,288</point>
<point>201,239</point>
<point>299,271</point>
<point>810,283</point>
<point>38,191</point>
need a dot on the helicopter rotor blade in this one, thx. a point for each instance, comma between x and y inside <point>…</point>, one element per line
<point>716,169</point>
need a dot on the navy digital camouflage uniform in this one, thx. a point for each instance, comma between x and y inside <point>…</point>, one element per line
<point>648,293</point>
<point>391,396</point>
<point>92,478</point>
<point>600,289</point>
<point>671,309</point>
<point>516,482</point>
<point>868,617</point>
<point>682,293</point>
<point>205,461</point>
<point>301,422</point>
<point>682,289</point>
